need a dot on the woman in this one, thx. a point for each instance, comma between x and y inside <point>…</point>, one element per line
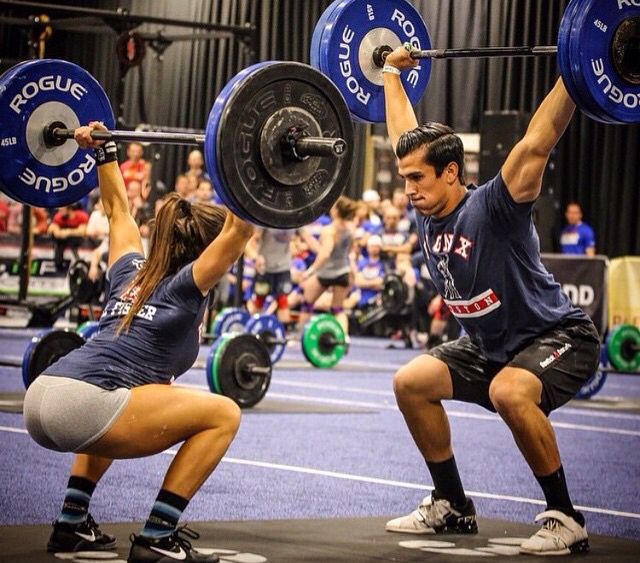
<point>332,268</point>
<point>113,398</point>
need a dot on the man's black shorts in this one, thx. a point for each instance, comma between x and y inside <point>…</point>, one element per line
<point>563,358</point>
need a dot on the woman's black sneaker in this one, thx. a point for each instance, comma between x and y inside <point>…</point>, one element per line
<point>175,547</point>
<point>85,536</point>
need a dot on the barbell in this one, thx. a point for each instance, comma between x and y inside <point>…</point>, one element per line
<point>277,142</point>
<point>598,54</point>
<point>323,340</point>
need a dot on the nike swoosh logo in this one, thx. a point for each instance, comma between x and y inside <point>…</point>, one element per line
<point>180,555</point>
<point>87,537</point>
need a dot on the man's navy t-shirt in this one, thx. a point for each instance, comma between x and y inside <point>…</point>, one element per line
<point>484,259</point>
<point>161,343</point>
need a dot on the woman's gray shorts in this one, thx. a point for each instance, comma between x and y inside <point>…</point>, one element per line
<point>68,415</point>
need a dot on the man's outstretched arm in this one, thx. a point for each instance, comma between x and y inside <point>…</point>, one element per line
<point>524,167</point>
<point>400,116</point>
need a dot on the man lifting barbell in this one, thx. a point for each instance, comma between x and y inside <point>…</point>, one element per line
<point>528,350</point>
<point>111,398</point>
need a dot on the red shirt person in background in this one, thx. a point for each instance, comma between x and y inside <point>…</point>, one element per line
<point>68,228</point>
<point>39,219</point>
<point>136,167</point>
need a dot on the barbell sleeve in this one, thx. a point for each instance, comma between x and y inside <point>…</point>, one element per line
<point>320,146</point>
<point>258,370</point>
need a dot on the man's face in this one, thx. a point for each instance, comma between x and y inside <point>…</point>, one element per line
<point>427,193</point>
<point>134,152</point>
<point>573,214</point>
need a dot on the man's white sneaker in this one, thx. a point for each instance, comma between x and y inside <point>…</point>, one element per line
<point>560,535</point>
<point>436,516</point>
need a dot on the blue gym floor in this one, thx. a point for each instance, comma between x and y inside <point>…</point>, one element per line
<point>332,444</point>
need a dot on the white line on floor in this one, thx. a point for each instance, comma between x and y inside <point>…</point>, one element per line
<point>378,481</point>
<point>327,387</point>
<point>452,413</point>
<point>405,485</point>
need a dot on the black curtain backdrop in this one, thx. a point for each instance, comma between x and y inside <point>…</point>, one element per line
<point>596,164</point>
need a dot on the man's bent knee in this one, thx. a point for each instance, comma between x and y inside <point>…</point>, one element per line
<point>421,383</point>
<point>508,399</point>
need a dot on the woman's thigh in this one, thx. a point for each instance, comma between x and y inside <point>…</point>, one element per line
<point>160,416</point>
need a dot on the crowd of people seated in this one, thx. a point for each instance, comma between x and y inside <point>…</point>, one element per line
<point>337,264</point>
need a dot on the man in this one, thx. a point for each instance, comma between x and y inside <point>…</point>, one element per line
<point>195,166</point>
<point>528,350</point>
<point>136,167</point>
<point>373,223</point>
<point>577,237</point>
<point>370,273</point>
<point>68,228</point>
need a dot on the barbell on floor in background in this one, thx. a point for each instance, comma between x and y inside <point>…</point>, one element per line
<point>598,54</point>
<point>278,142</point>
<point>323,340</point>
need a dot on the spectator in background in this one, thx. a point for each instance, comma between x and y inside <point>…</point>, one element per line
<point>373,223</point>
<point>370,273</point>
<point>140,209</point>
<point>400,201</point>
<point>397,247</point>
<point>98,225</point>
<point>136,167</point>
<point>273,250</point>
<point>182,186</point>
<point>39,219</point>
<point>577,237</point>
<point>204,192</point>
<point>68,228</point>
<point>195,166</point>
<point>4,214</point>
<point>194,182</point>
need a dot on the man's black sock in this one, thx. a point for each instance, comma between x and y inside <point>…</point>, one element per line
<point>554,487</point>
<point>447,482</point>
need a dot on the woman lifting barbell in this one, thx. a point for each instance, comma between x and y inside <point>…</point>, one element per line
<point>112,398</point>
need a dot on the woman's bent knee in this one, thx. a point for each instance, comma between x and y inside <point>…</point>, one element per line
<point>231,416</point>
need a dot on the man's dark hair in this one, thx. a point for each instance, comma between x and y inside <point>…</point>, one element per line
<point>442,144</point>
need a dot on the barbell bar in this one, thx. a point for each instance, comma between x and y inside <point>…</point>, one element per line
<point>303,147</point>
<point>598,50</point>
<point>380,53</point>
<point>274,141</point>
